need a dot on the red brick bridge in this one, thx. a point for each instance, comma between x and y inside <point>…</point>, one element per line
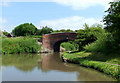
<point>51,42</point>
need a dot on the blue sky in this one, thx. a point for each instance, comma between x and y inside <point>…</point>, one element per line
<point>62,14</point>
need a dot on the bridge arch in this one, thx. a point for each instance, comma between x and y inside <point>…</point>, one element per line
<point>51,42</point>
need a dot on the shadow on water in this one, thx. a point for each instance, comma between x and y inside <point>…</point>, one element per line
<point>47,63</point>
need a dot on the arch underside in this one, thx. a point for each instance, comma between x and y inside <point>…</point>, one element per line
<point>56,46</point>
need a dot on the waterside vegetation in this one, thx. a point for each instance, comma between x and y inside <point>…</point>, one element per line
<point>107,64</point>
<point>19,45</point>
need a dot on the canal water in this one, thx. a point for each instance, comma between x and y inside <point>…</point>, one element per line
<point>0,68</point>
<point>46,67</point>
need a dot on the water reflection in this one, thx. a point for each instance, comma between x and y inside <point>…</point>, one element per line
<point>0,67</point>
<point>0,62</point>
<point>24,62</point>
<point>46,67</point>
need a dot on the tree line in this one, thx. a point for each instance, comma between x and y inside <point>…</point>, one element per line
<point>28,29</point>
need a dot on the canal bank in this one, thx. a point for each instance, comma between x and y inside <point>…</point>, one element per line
<point>98,62</point>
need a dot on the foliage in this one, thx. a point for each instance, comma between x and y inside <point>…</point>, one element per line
<point>19,45</point>
<point>67,30</point>
<point>5,33</point>
<point>104,44</point>
<point>112,20</point>
<point>62,30</point>
<point>24,29</point>
<point>70,46</point>
<point>108,42</point>
<point>88,35</point>
<point>44,30</point>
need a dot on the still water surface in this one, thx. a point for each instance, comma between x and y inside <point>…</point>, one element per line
<point>0,68</point>
<point>46,67</point>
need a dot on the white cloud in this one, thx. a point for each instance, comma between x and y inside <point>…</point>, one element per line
<point>28,0</point>
<point>83,4</point>
<point>8,27</point>
<point>3,3</point>
<point>3,20</point>
<point>75,4</point>
<point>74,22</point>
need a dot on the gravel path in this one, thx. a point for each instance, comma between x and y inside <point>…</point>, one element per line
<point>112,64</point>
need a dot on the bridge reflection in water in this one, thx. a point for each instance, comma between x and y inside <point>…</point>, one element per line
<point>46,67</point>
<point>53,62</point>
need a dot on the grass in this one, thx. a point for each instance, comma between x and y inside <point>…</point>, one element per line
<point>19,45</point>
<point>97,61</point>
<point>36,36</point>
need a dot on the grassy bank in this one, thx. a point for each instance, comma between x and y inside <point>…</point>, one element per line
<point>104,63</point>
<point>19,45</point>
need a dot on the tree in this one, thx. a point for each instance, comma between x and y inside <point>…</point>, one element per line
<point>56,31</point>
<point>68,30</point>
<point>88,35</point>
<point>62,30</point>
<point>24,29</point>
<point>46,30</point>
<point>112,20</point>
<point>38,32</point>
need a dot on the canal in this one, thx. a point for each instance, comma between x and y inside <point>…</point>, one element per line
<point>46,67</point>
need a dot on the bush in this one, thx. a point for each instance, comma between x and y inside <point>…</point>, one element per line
<point>19,45</point>
<point>70,46</point>
<point>104,44</point>
<point>88,35</point>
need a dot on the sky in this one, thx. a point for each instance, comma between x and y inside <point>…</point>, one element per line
<point>57,14</point>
